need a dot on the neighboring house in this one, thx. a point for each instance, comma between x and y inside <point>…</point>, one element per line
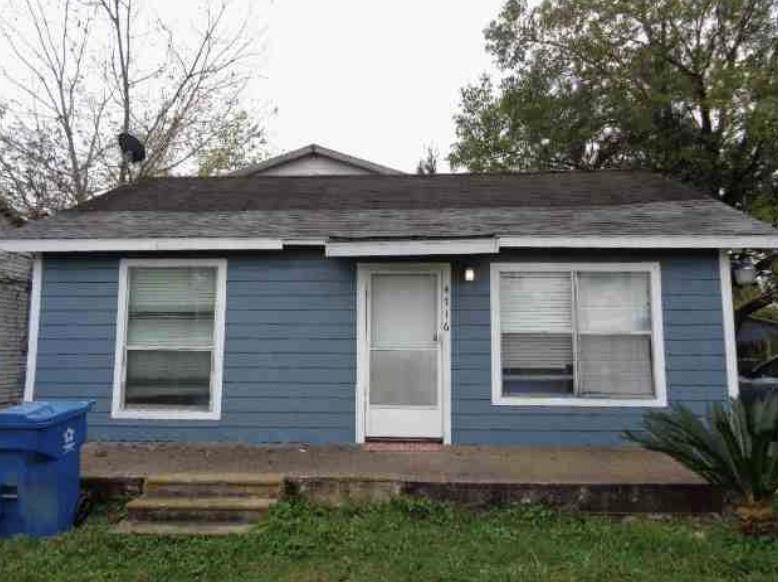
<point>14,283</point>
<point>527,309</point>
<point>757,348</point>
<point>757,340</point>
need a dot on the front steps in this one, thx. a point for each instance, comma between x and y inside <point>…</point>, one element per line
<point>201,504</point>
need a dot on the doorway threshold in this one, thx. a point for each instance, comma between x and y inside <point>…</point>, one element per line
<point>402,445</point>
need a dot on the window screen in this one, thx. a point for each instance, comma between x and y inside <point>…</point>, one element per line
<point>170,337</point>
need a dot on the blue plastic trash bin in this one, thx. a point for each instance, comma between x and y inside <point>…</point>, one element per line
<point>40,444</point>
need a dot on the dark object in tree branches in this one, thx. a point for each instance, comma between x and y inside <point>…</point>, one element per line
<point>132,147</point>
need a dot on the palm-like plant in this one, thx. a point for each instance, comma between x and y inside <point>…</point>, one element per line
<point>736,449</point>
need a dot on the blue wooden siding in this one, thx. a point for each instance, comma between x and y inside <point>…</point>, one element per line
<point>289,358</point>
<point>694,356</point>
<point>290,351</point>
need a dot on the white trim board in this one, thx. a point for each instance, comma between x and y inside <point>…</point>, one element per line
<point>657,336</point>
<point>494,245</point>
<point>117,410</point>
<point>139,244</point>
<point>413,247</point>
<point>33,329</point>
<point>389,248</point>
<point>728,317</point>
<point>641,242</point>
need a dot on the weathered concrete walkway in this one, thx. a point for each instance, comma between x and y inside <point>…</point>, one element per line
<point>458,464</point>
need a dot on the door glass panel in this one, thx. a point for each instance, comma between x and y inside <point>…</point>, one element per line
<point>404,310</point>
<point>404,377</point>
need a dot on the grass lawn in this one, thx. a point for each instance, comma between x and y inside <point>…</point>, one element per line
<point>406,540</point>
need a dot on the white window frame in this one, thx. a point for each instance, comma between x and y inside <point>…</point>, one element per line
<point>120,361</point>
<point>657,335</point>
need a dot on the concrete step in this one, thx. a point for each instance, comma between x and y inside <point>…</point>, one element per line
<point>268,486</point>
<point>199,509</point>
<point>144,528</point>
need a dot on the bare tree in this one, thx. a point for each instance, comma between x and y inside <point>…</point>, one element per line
<point>119,13</point>
<point>74,93</point>
<point>428,163</point>
<point>49,134</point>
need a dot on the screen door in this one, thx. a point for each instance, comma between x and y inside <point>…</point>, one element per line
<point>403,392</point>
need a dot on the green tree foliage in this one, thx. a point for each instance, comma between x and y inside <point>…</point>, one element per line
<point>685,87</point>
<point>238,143</point>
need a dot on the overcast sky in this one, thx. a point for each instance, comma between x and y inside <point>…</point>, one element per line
<point>377,79</point>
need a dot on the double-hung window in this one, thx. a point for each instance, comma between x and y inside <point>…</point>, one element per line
<point>170,339</point>
<point>577,334</point>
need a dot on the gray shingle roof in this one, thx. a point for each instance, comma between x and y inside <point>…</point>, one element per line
<point>704,217</point>
<point>564,205</point>
<point>570,189</point>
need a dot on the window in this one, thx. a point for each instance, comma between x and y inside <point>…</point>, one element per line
<point>577,335</point>
<point>170,339</point>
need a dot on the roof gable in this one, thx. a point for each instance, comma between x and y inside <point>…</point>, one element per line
<point>314,160</point>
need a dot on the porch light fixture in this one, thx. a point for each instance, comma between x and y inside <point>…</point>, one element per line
<point>469,274</point>
<point>745,273</point>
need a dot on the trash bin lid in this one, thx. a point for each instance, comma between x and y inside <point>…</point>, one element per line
<point>42,413</point>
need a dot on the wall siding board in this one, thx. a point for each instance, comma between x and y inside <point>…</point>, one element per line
<point>203,433</point>
<point>78,332</point>
<point>261,317</point>
<point>694,354</point>
<point>292,332</point>
<point>290,351</point>
<point>694,347</point>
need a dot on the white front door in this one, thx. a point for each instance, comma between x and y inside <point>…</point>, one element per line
<point>404,352</point>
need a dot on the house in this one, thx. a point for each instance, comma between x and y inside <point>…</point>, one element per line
<point>315,160</point>
<point>14,281</point>
<point>359,303</point>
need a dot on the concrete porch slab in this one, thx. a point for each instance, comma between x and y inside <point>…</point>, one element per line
<point>528,465</point>
<point>625,480</point>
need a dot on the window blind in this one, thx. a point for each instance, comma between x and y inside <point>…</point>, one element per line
<point>172,290</point>
<point>170,336</point>
<point>171,307</point>
<point>536,320</point>
<point>535,303</point>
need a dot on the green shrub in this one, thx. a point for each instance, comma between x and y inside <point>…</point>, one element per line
<point>735,449</point>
